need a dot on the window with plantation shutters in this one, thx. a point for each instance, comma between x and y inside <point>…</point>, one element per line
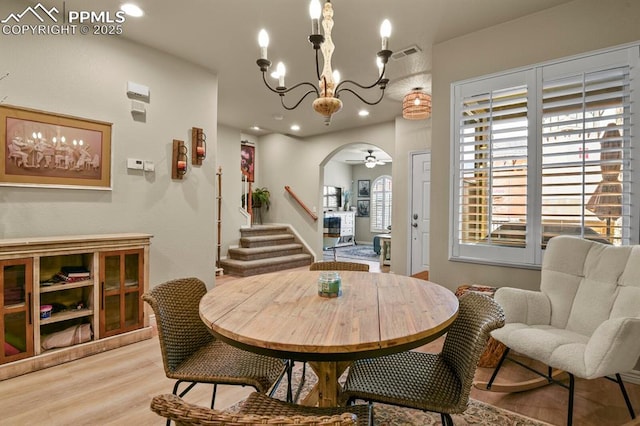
<point>585,147</point>
<point>545,151</point>
<point>380,216</point>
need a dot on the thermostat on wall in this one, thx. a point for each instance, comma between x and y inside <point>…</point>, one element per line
<point>135,164</point>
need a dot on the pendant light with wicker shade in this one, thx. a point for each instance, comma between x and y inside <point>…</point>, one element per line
<point>416,105</point>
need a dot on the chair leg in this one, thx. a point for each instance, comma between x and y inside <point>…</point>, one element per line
<point>184,392</point>
<point>213,397</point>
<point>495,372</point>
<point>175,392</point>
<point>302,380</point>
<point>289,381</point>
<point>625,395</point>
<point>446,419</point>
<point>570,408</point>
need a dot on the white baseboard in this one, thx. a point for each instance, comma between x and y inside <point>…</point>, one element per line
<point>631,377</point>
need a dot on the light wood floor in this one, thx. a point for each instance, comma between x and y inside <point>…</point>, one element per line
<point>115,387</point>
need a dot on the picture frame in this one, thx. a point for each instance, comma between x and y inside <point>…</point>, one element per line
<point>46,149</point>
<point>363,208</point>
<point>364,188</point>
<point>247,160</point>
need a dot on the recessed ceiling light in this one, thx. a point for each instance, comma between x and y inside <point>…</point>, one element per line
<point>363,113</point>
<point>131,10</point>
<point>295,127</point>
<point>254,128</point>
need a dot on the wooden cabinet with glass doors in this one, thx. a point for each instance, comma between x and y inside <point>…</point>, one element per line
<point>121,278</point>
<point>63,298</point>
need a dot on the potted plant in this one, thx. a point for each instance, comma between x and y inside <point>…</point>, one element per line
<point>260,197</point>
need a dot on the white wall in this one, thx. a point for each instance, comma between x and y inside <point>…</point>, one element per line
<point>569,29</point>
<point>86,76</point>
<point>298,163</point>
<point>410,136</point>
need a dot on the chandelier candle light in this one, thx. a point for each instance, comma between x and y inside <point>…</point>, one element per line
<point>329,86</point>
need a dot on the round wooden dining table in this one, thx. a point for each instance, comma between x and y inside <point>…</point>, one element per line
<point>281,314</point>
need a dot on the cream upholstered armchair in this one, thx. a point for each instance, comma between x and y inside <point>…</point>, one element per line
<point>585,320</point>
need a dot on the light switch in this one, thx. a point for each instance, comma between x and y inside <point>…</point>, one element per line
<point>149,166</point>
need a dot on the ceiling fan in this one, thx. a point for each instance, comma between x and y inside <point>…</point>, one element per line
<point>370,160</point>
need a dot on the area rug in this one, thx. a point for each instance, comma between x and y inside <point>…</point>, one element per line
<point>352,252</point>
<point>478,413</point>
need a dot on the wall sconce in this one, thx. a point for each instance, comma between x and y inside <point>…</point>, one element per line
<point>198,146</point>
<point>179,162</point>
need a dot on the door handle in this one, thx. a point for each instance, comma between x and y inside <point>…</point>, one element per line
<point>415,225</point>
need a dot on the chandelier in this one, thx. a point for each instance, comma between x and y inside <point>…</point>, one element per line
<point>329,86</point>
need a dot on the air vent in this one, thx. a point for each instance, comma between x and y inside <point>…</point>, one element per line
<point>405,52</point>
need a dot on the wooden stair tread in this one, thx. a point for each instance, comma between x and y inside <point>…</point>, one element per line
<point>269,237</point>
<point>267,248</point>
<point>267,261</point>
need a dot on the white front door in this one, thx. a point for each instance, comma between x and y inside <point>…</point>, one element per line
<point>419,220</point>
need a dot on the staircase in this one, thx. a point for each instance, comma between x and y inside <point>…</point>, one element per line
<point>265,248</point>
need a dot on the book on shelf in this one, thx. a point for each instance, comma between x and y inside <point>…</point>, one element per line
<point>68,279</point>
<point>75,272</point>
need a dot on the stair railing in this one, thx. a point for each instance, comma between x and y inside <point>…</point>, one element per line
<point>303,205</point>
<point>219,202</point>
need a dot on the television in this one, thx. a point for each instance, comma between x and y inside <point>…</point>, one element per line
<point>332,198</point>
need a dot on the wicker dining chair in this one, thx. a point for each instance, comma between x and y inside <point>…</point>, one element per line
<point>339,266</point>
<point>430,382</point>
<point>191,354</point>
<point>260,409</point>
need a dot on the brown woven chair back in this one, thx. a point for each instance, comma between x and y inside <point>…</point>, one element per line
<point>184,413</point>
<point>339,266</point>
<point>478,315</point>
<point>180,330</point>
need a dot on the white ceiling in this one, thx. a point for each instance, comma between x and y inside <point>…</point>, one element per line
<point>221,35</point>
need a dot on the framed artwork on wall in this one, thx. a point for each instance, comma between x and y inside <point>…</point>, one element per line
<point>363,208</point>
<point>40,148</point>
<point>364,188</point>
<point>247,160</point>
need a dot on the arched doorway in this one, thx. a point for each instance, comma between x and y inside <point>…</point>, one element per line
<point>350,171</point>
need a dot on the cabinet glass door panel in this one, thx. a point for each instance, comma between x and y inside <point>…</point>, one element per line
<point>132,309</point>
<point>112,272</point>
<point>15,334</point>
<point>14,288</point>
<point>16,322</point>
<point>112,313</point>
<point>131,270</point>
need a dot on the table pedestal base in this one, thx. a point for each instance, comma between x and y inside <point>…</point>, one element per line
<point>326,392</point>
